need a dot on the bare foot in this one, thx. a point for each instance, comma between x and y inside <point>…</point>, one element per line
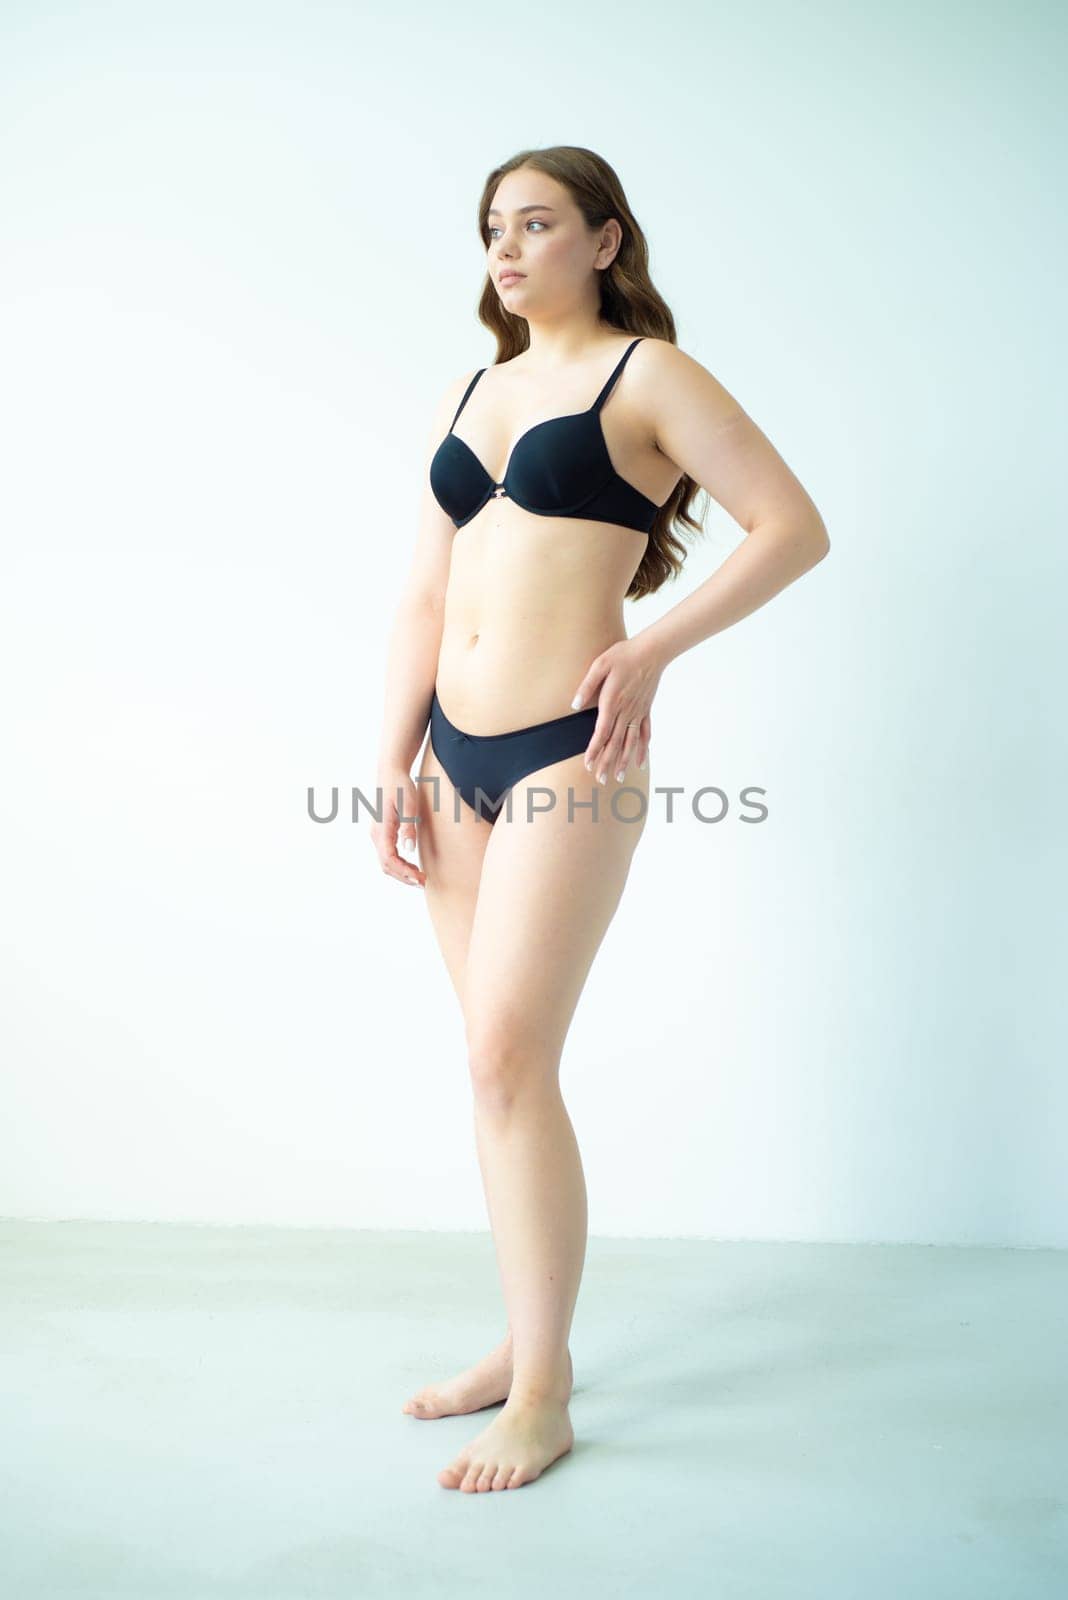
<point>516,1447</point>
<point>485,1384</point>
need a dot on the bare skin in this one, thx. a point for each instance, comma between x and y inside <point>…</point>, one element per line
<point>494,895</point>
<point>512,613</point>
<point>530,601</point>
<point>487,1383</point>
<point>529,1438</point>
<point>524,1439</point>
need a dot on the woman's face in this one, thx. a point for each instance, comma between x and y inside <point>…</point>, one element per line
<point>536,229</point>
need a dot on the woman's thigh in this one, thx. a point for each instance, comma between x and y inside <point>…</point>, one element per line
<point>450,854</point>
<point>549,889</point>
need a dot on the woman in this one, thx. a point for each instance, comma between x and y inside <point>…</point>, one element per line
<point>553,481</point>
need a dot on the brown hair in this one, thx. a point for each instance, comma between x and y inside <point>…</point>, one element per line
<point>629,301</point>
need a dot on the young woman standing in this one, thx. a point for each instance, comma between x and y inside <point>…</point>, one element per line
<point>554,479</point>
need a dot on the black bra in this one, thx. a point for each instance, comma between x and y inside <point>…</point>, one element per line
<point>558,468</point>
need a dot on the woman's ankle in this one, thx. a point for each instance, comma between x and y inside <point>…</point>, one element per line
<point>544,1388</point>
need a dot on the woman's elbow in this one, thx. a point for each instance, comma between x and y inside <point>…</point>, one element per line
<point>821,542</point>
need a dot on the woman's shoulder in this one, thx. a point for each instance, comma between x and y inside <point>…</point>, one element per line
<point>451,395</point>
<point>667,373</point>
<point>663,354</point>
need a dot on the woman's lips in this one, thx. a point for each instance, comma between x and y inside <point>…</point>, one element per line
<point>511,277</point>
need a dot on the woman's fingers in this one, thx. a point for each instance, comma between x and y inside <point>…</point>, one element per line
<point>625,743</point>
<point>626,755</point>
<point>413,873</point>
<point>385,838</point>
<point>645,734</point>
<point>396,867</point>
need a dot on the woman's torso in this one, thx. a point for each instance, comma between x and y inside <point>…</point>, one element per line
<point>532,599</point>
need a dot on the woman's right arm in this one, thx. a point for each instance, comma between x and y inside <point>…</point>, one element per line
<point>412,660</point>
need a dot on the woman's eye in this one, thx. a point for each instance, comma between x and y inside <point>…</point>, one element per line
<point>533,220</point>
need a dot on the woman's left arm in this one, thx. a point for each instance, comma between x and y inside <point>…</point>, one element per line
<point>705,432</point>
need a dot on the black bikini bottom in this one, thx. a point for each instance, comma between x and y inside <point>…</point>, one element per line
<point>484,766</point>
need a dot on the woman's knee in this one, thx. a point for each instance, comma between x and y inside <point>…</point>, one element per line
<point>506,1058</point>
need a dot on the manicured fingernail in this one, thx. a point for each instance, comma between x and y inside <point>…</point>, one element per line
<point>643,761</point>
<point>601,777</point>
<point>620,776</point>
<point>577,702</point>
<point>587,766</point>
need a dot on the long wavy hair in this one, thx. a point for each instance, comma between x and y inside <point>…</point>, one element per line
<point>629,302</point>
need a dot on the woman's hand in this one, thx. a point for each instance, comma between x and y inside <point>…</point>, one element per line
<point>384,833</point>
<point>627,676</point>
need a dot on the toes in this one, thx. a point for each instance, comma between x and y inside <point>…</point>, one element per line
<point>425,1404</point>
<point>501,1476</point>
<point>486,1477</point>
<point>471,1477</point>
<point>452,1476</point>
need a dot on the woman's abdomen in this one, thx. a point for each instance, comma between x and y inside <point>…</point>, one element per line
<point>530,602</point>
<point>499,676</point>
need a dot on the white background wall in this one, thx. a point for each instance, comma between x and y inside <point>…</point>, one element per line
<point>239,263</point>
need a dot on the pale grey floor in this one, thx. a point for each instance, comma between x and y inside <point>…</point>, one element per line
<point>203,1412</point>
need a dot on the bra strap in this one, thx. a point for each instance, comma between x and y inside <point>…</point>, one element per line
<point>467,392</point>
<point>602,397</point>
